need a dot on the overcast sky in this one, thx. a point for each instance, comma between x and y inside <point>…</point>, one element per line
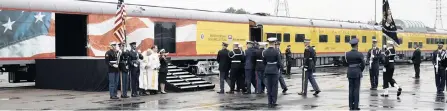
<point>357,10</point>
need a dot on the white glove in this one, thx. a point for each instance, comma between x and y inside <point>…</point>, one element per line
<point>384,69</point>
<point>115,66</point>
<point>305,69</point>
<point>135,65</point>
<point>436,66</point>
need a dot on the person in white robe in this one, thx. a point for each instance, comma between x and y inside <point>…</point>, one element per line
<point>149,73</point>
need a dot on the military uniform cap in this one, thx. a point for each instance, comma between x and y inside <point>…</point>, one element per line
<point>236,43</point>
<point>271,39</point>
<point>133,43</point>
<point>440,42</point>
<point>306,40</point>
<point>354,41</point>
<point>224,44</point>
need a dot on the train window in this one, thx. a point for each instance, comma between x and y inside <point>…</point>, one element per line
<point>278,37</point>
<point>323,38</point>
<point>427,40</point>
<point>353,36</point>
<point>420,45</point>
<point>410,44</point>
<point>271,35</point>
<point>444,41</point>
<point>364,39</point>
<point>286,37</point>
<point>165,36</point>
<point>337,38</point>
<point>432,41</point>
<point>415,44</point>
<point>299,37</point>
<point>347,38</point>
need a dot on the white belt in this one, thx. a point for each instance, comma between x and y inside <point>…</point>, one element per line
<point>112,61</point>
<point>235,61</point>
<point>310,58</point>
<point>272,62</point>
<point>391,61</point>
<point>259,60</point>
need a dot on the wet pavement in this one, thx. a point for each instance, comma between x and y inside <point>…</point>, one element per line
<point>417,95</point>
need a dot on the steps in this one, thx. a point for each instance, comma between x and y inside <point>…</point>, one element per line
<point>179,80</point>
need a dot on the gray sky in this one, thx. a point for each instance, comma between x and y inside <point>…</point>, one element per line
<point>357,10</point>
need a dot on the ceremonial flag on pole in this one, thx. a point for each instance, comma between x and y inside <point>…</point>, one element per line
<point>389,28</point>
<point>120,23</point>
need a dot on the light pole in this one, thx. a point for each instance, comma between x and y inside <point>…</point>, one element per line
<point>375,11</point>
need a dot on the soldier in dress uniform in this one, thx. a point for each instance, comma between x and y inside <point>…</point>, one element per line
<point>237,69</point>
<point>309,65</point>
<point>224,66</point>
<point>272,62</point>
<point>134,65</point>
<point>354,58</point>
<point>374,58</point>
<point>416,58</point>
<point>439,70</point>
<point>124,70</point>
<point>389,70</point>
<point>111,58</point>
<point>281,70</point>
<point>288,61</point>
<point>249,66</point>
<point>260,67</point>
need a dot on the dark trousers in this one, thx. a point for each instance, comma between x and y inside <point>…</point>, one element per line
<point>260,83</point>
<point>354,94</point>
<point>272,87</point>
<point>309,76</point>
<point>113,83</point>
<point>236,75</point>
<point>440,79</point>
<point>374,75</point>
<point>125,82</point>
<point>223,77</point>
<point>288,68</point>
<point>417,69</point>
<point>388,76</point>
<point>282,82</point>
<point>134,81</point>
<point>250,79</point>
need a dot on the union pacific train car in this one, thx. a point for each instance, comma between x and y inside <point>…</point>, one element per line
<point>35,29</point>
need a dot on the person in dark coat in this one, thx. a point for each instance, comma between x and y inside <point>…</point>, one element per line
<point>308,69</point>
<point>374,58</point>
<point>416,58</point>
<point>163,71</point>
<point>124,70</point>
<point>111,58</point>
<point>281,70</point>
<point>237,70</point>
<point>224,66</point>
<point>249,67</point>
<point>439,76</point>
<point>388,80</point>
<point>272,62</point>
<point>354,58</point>
<point>260,67</point>
<point>288,61</point>
<point>134,65</point>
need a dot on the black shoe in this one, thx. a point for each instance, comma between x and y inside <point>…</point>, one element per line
<point>114,97</point>
<point>416,77</point>
<point>143,94</point>
<point>285,90</point>
<point>124,96</point>
<point>134,95</point>
<point>304,94</point>
<point>373,89</point>
<point>246,92</point>
<point>221,92</point>
<point>230,92</point>
<point>316,92</point>
<point>399,91</point>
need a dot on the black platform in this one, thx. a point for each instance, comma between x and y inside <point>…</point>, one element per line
<point>81,74</point>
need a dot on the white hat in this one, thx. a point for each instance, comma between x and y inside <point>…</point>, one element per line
<point>390,42</point>
<point>236,43</point>
<point>272,39</point>
<point>262,43</point>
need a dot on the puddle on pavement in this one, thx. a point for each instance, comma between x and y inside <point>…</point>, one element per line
<point>244,106</point>
<point>11,98</point>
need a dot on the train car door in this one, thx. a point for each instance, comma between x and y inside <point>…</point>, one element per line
<point>255,31</point>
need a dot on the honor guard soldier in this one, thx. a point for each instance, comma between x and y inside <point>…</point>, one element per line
<point>124,70</point>
<point>260,67</point>
<point>288,61</point>
<point>439,70</point>
<point>237,69</point>
<point>308,69</point>
<point>416,58</point>
<point>388,80</point>
<point>111,58</point>
<point>281,70</point>
<point>249,67</point>
<point>272,62</point>
<point>224,66</point>
<point>354,58</point>
<point>134,66</point>
<point>374,58</point>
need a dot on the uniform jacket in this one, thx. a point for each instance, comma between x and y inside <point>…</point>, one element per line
<point>237,58</point>
<point>436,53</point>
<point>288,55</point>
<point>259,60</point>
<point>272,61</point>
<point>250,58</point>
<point>309,56</point>
<point>375,52</point>
<point>134,58</point>
<point>124,61</point>
<point>390,53</point>
<point>163,65</point>
<point>416,58</point>
<point>356,64</point>
<point>224,60</point>
<point>111,59</point>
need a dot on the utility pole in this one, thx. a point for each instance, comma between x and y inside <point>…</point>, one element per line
<point>282,6</point>
<point>375,11</point>
<point>438,20</point>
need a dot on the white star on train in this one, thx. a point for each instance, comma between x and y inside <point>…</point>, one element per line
<point>8,25</point>
<point>39,17</point>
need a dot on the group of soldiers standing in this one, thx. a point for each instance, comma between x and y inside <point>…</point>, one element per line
<point>262,67</point>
